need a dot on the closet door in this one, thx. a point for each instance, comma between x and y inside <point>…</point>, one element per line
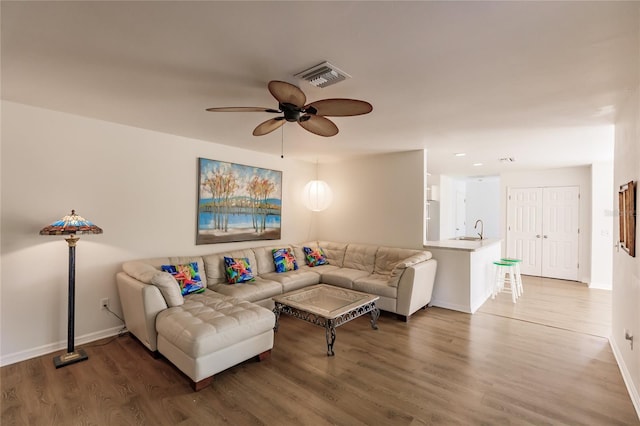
<point>560,232</point>
<point>524,229</point>
<point>542,230</point>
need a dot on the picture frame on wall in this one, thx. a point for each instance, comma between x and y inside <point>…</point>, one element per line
<point>237,203</point>
<point>627,209</point>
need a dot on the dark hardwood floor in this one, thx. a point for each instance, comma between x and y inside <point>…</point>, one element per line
<point>442,367</point>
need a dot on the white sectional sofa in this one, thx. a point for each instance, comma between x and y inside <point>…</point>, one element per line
<point>205,333</point>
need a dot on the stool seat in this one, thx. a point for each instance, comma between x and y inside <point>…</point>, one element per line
<point>516,262</point>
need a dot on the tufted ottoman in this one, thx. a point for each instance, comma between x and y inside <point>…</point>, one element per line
<point>211,332</point>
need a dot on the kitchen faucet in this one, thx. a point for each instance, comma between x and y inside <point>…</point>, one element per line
<point>481,233</point>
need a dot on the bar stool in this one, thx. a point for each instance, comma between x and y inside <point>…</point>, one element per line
<point>516,262</point>
<point>505,279</point>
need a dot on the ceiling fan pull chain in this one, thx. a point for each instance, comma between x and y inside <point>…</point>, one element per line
<point>282,142</point>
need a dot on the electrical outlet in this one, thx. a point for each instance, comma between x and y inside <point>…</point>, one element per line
<point>104,303</point>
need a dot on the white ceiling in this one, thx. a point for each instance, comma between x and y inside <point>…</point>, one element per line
<point>537,81</point>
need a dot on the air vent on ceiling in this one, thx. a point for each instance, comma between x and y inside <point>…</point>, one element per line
<point>323,75</point>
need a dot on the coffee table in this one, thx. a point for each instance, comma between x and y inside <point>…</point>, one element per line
<point>327,306</point>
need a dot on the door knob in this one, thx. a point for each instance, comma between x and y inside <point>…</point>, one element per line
<point>546,236</point>
<point>538,236</point>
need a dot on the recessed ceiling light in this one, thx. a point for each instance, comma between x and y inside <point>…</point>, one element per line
<point>460,154</point>
<point>477,164</point>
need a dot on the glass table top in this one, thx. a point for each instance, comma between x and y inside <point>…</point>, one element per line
<point>325,300</point>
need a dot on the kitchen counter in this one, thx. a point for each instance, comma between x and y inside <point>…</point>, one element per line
<point>465,274</point>
<point>462,244</point>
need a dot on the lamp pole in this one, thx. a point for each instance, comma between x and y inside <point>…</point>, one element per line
<point>72,356</point>
<point>71,225</point>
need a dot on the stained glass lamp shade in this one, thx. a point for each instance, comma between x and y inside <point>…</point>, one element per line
<point>71,225</point>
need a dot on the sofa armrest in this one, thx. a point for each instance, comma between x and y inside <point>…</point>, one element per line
<point>416,287</point>
<point>141,303</point>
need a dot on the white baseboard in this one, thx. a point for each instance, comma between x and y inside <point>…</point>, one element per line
<point>53,347</point>
<point>452,306</point>
<point>628,380</point>
<point>601,286</point>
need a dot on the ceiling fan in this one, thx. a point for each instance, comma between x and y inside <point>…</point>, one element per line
<point>311,117</point>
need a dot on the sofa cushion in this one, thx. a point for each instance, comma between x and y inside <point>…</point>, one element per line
<point>284,260</point>
<point>264,259</point>
<point>321,269</point>
<point>294,280</point>
<point>253,291</point>
<point>238,270</point>
<point>215,267</point>
<point>314,256</point>
<point>342,277</point>
<point>187,276</point>
<point>388,257</point>
<point>206,323</point>
<point>141,271</point>
<point>398,270</point>
<point>376,284</point>
<point>169,288</point>
<point>360,256</point>
<point>334,252</point>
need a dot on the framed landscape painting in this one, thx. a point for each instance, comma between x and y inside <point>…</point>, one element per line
<point>627,208</point>
<point>237,202</point>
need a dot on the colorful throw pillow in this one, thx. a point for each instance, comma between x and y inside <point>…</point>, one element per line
<point>238,270</point>
<point>315,257</point>
<point>284,260</point>
<point>187,277</point>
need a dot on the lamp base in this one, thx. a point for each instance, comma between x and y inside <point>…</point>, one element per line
<point>70,358</point>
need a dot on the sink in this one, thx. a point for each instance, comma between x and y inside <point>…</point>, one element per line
<point>467,238</point>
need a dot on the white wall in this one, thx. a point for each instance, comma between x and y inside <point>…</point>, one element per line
<point>626,269</point>
<point>483,202</point>
<point>601,225</point>
<point>378,199</point>
<point>569,176</point>
<point>138,185</point>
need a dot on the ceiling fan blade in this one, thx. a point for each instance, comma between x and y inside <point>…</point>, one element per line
<point>319,125</point>
<point>268,126</point>
<point>339,107</point>
<point>243,109</point>
<point>287,93</point>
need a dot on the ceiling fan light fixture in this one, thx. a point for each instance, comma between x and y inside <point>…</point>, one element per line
<point>323,75</point>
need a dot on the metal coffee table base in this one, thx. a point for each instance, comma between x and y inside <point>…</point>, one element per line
<point>329,324</point>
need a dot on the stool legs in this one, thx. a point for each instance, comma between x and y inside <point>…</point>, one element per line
<point>506,279</point>
<point>516,263</point>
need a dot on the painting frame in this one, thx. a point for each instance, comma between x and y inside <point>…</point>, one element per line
<point>627,209</point>
<point>237,202</point>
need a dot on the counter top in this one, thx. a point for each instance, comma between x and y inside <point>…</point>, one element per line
<point>464,245</point>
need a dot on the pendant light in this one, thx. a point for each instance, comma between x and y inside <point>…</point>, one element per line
<point>317,194</point>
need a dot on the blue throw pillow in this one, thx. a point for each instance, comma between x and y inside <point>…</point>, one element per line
<point>238,270</point>
<point>187,277</point>
<point>284,260</point>
<point>315,257</point>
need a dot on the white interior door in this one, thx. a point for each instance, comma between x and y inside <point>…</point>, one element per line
<point>524,229</point>
<point>560,232</point>
<point>542,230</point>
